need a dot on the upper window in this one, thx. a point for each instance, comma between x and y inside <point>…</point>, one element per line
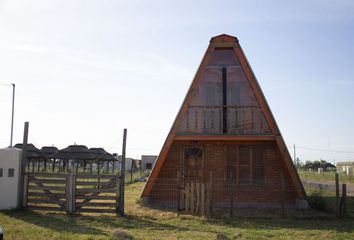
<point>11,172</point>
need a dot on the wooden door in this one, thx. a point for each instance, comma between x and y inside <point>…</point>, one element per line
<point>192,183</point>
<point>193,164</point>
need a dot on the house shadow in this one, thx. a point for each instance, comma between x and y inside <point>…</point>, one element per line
<point>90,224</point>
<point>309,219</point>
<point>56,221</point>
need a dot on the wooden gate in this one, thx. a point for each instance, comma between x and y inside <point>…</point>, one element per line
<point>71,192</point>
<point>195,198</point>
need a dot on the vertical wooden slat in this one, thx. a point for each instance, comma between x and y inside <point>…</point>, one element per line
<point>202,198</point>
<point>187,189</point>
<point>192,204</point>
<point>197,189</point>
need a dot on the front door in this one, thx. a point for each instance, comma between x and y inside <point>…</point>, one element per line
<point>193,164</point>
<point>192,185</point>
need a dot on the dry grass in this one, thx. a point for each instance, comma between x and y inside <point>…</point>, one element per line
<point>146,223</point>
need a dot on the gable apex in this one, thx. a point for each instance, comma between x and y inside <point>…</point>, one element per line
<point>223,38</point>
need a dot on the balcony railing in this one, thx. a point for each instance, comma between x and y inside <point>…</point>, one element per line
<point>235,120</point>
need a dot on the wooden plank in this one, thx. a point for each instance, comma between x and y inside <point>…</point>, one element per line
<point>96,197</point>
<point>48,181</point>
<point>202,198</point>
<point>105,176</point>
<point>43,208</point>
<point>48,188</point>
<point>46,201</point>
<point>94,183</point>
<point>187,189</point>
<point>96,190</point>
<point>224,138</point>
<point>197,190</point>
<point>183,198</point>
<point>192,204</point>
<point>96,204</point>
<point>42,194</point>
<point>96,210</point>
<point>51,175</point>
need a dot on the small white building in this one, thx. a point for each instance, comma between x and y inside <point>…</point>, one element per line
<point>10,159</point>
<point>346,167</point>
<point>130,163</point>
<point>147,161</point>
<point>343,166</point>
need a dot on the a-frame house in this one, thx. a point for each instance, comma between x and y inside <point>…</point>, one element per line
<point>224,135</point>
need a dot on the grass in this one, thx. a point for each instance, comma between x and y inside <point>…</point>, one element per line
<point>131,177</point>
<point>146,223</point>
<point>324,177</point>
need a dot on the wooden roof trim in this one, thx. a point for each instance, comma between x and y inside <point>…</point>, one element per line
<point>183,109</point>
<point>270,119</point>
<point>224,138</point>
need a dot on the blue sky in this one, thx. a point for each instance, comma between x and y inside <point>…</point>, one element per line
<point>84,70</point>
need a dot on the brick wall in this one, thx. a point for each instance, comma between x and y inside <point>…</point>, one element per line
<point>215,160</point>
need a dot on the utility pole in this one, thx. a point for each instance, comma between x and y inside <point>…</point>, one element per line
<point>13,111</point>
<point>295,157</point>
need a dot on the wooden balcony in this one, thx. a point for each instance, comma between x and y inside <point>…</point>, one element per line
<point>224,120</point>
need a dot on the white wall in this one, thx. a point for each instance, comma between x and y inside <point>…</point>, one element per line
<point>147,159</point>
<point>9,158</point>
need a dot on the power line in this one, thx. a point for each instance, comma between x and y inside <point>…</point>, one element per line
<point>5,84</point>
<point>321,150</point>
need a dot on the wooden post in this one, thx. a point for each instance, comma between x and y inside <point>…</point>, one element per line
<point>23,178</point>
<point>282,194</point>
<point>344,200</point>
<point>122,175</point>
<point>24,191</point>
<point>70,192</point>
<point>211,194</point>
<point>131,173</point>
<point>337,193</point>
<point>118,191</point>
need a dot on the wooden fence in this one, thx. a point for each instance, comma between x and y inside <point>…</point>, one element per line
<point>72,192</point>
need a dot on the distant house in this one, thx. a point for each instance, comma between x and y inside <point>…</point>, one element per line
<point>130,163</point>
<point>148,161</point>
<point>344,166</point>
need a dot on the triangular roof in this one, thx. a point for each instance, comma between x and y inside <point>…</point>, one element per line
<point>225,41</point>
